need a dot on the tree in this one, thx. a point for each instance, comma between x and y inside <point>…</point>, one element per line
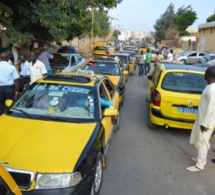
<point>211,18</point>
<point>184,21</point>
<point>50,20</point>
<point>116,33</point>
<point>179,21</point>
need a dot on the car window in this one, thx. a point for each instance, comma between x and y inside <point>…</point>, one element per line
<point>201,54</point>
<point>106,68</point>
<point>192,55</point>
<point>110,87</point>
<point>78,58</point>
<point>184,82</point>
<point>73,60</point>
<point>56,102</point>
<point>124,59</point>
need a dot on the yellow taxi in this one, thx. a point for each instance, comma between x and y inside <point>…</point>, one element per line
<point>99,51</point>
<point>174,92</point>
<point>56,134</point>
<point>7,183</point>
<point>129,64</point>
<point>154,52</point>
<point>112,68</point>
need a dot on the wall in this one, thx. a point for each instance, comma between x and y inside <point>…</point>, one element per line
<point>207,39</point>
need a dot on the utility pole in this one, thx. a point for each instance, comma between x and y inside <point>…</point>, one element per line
<point>91,32</point>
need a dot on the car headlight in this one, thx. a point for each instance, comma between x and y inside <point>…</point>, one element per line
<point>47,181</point>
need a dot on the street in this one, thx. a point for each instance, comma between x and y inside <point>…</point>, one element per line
<point>143,161</point>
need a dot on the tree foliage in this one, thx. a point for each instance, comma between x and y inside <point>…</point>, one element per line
<point>211,18</point>
<point>172,22</point>
<point>50,20</point>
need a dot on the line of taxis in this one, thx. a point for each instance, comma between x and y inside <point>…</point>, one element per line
<point>56,134</point>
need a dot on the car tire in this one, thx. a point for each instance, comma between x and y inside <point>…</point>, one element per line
<point>96,186</point>
<point>149,123</point>
<point>184,61</point>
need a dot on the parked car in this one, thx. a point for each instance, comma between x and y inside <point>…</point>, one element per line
<point>57,133</point>
<point>66,62</point>
<point>191,57</point>
<point>67,49</point>
<point>205,65</point>
<point>207,58</point>
<point>174,92</point>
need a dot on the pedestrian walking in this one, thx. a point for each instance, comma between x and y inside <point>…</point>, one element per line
<point>44,58</point>
<point>37,68</point>
<point>205,122</point>
<point>141,62</point>
<point>24,69</point>
<point>148,61</point>
<point>9,86</point>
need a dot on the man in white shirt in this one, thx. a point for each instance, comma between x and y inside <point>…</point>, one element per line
<point>24,72</point>
<point>170,55</point>
<point>37,68</point>
<point>9,86</point>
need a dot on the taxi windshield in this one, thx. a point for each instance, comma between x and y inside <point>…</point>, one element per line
<point>57,102</point>
<point>106,68</point>
<point>121,57</point>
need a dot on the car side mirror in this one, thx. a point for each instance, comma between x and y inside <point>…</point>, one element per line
<point>8,103</point>
<point>149,77</point>
<point>110,112</point>
<point>125,72</point>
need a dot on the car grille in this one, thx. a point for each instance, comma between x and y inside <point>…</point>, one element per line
<point>21,177</point>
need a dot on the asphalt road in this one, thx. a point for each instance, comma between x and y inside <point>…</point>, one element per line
<point>143,161</point>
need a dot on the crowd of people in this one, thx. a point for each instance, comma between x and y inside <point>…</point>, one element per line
<point>13,79</point>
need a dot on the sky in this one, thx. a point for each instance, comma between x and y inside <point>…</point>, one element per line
<point>136,15</point>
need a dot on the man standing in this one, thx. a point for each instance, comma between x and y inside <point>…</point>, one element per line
<point>170,55</point>
<point>148,60</point>
<point>141,62</point>
<point>9,87</point>
<point>44,58</point>
<point>24,71</point>
<point>37,68</point>
<point>205,122</point>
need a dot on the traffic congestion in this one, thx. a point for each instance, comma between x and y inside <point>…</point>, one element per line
<point>109,112</point>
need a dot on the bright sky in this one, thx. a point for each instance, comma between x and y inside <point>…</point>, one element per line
<point>142,14</point>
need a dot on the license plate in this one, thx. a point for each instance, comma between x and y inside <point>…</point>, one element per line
<point>188,110</point>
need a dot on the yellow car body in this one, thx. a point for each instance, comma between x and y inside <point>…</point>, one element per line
<point>58,131</point>
<point>174,92</point>
<point>7,183</point>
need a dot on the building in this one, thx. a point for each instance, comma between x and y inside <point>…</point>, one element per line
<point>207,37</point>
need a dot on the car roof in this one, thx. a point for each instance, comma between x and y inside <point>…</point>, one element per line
<point>72,78</point>
<point>183,67</point>
<point>119,54</point>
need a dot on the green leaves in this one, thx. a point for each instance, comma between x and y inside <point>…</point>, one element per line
<point>52,20</point>
<point>211,18</point>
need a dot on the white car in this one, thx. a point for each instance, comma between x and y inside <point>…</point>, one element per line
<point>207,57</point>
<point>67,62</point>
<point>191,57</point>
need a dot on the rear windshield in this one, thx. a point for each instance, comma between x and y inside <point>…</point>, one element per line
<point>184,82</point>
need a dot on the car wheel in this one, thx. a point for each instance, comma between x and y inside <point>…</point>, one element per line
<point>96,187</point>
<point>149,123</point>
<point>117,126</point>
<point>183,61</point>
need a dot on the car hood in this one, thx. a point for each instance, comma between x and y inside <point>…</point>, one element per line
<point>42,146</point>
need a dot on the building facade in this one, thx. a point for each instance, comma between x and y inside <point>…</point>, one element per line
<point>207,37</point>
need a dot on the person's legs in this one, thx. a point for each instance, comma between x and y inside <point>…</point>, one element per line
<point>140,67</point>
<point>2,100</point>
<point>145,67</point>
<point>148,65</point>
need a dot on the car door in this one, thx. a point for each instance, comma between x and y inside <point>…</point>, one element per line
<point>192,58</point>
<point>107,121</point>
<point>200,57</point>
<point>81,63</point>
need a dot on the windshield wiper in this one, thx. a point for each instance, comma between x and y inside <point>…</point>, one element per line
<point>108,73</point>
<point>52,118</point>
<point>22,111</point>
